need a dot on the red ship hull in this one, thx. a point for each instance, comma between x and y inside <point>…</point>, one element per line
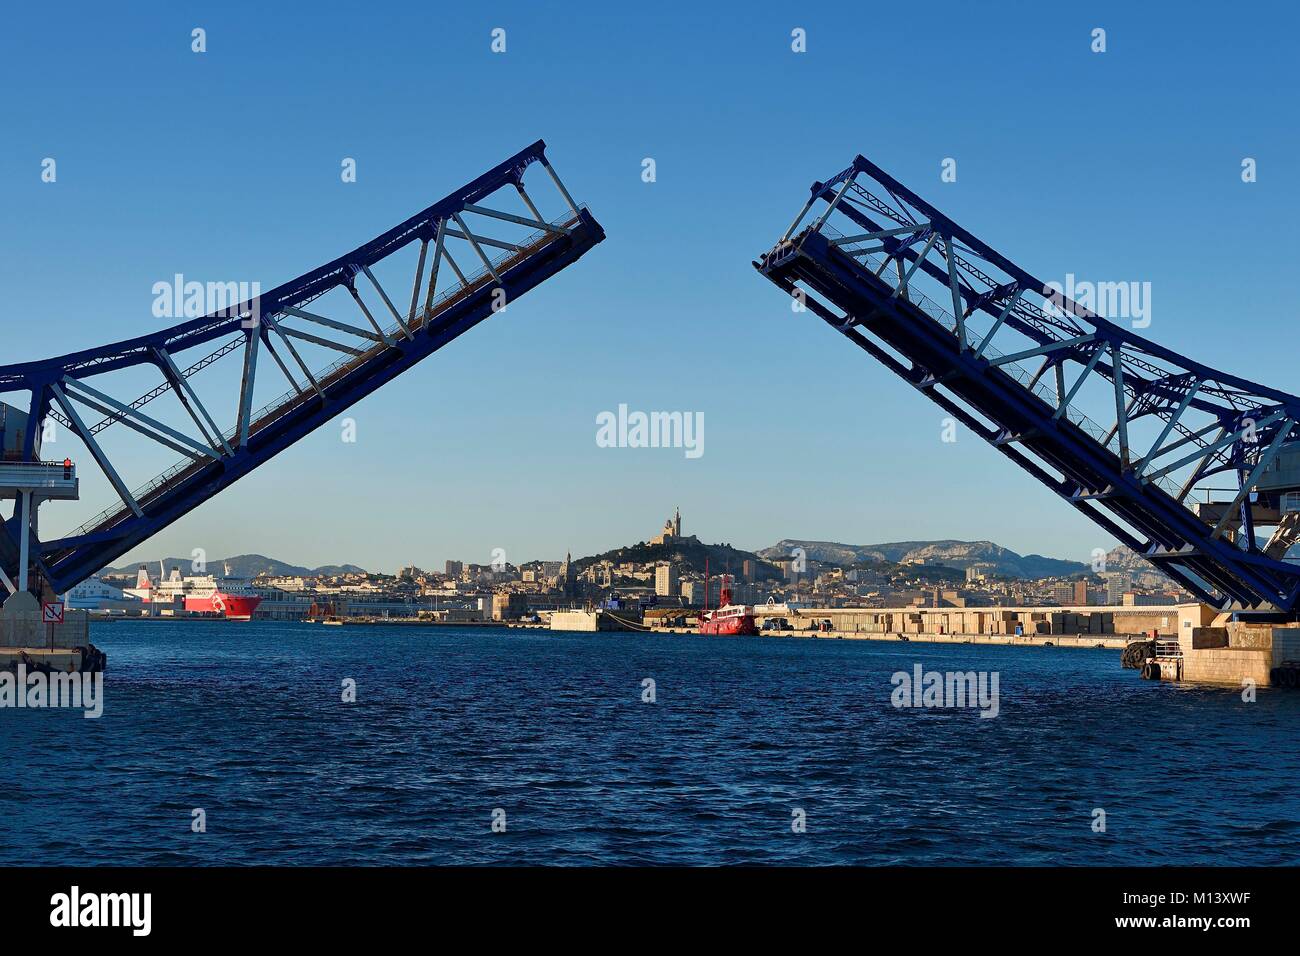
<point>740,624</point>
<point>729,619</point>
<point>234,607</point>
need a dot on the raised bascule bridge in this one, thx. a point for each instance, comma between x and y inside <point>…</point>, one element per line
<point>1195,469</point>
<point>332,335</point>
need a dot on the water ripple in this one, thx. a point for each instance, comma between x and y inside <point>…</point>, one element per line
<point>247,723</point>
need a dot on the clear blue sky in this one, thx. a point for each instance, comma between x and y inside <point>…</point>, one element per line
<point>1118,166</point>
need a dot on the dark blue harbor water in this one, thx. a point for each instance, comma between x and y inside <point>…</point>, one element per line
<point>246,722</point>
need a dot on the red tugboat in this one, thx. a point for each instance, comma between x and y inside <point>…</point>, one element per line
<point>729,619</point>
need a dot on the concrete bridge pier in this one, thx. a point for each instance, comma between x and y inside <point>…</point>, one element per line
<point>1218,650</point>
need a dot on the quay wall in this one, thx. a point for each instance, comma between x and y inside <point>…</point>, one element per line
<point>1116,642</point>
<point>1238,652</point>
<point>988,621</point>
<point>21,625</point>
<point>587,621</point>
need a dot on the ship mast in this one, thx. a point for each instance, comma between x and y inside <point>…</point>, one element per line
<point>706,585</point>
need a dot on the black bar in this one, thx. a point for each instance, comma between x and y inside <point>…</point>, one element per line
<point>929,905</point>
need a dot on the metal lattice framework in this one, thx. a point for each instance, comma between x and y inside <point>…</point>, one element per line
<point>335,334</point>
<point>1126,431</point>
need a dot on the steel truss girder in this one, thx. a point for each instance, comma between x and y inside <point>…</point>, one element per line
<point>371,358</point>
<point>74,559</point>
<point>299,291</point>
<point>977,427</point>
<point>1027,319</point>
<point>1183,546</point>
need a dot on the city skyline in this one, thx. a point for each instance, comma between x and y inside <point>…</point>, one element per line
<point>696,332</point>
<point>396,562</point>
<point>671,531</point>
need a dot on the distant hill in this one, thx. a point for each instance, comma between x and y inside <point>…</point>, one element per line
<point>686,552</point>
<point>241,566</point>
<point>1121,558</point>
<point>953,554</point>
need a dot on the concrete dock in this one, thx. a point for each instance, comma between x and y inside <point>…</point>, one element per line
<point>1195,643</point>
<point>1112,641</point>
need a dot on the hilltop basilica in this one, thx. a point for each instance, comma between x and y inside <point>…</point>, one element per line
<point>672,529</point>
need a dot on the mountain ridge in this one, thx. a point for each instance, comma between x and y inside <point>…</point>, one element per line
<point>949,552</point>
<point>241,566</point>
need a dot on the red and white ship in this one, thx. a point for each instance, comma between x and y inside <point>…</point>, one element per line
<point>728,619</point>
<point>230,598</point>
